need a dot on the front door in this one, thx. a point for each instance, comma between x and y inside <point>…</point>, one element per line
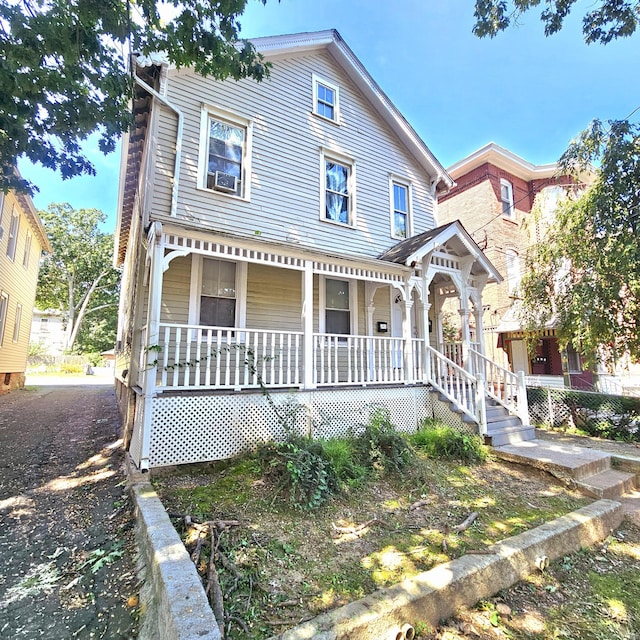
<point>519,356</point>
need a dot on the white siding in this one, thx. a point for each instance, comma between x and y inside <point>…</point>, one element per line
<point>286,174</point>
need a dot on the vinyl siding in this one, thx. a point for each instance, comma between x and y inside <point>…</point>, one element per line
<point>285,189</point>
<point>20,284</point>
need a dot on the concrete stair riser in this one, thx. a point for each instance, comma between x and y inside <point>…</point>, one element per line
<point>510,436</point>
<point>608,484</point>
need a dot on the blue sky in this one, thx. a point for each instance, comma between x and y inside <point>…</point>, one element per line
<point>528,93</point>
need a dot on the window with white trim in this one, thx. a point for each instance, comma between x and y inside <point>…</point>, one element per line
<point>16,324</point>
<point>325,99</point>
<point>27,251</point>
<point>401,215</point>
<point>338,193</point>
<point>224,163</point>
<point>573,360</point>
<point>513,269</point>
<point>218,292</point>
<point>4,303</point>
<point>14,229</point>
<point>506,196</point>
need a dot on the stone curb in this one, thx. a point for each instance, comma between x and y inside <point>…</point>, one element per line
<point>436,594</point>
<point>175,606</point>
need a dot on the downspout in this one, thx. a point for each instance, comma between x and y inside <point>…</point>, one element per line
<point>176,167</point>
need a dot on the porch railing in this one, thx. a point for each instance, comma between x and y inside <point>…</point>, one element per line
<point>192,356</point>
<point>505,387</point>
<point>343,359</point>
<point>465,391</point>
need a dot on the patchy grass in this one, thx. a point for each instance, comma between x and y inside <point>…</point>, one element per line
<point>295,564</point>
<point>591,595</point>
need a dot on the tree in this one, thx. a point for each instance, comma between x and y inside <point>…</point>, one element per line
<point>605,20</point>
<point>585,273</point>
<point>64,76</point>
<point>77,278</point>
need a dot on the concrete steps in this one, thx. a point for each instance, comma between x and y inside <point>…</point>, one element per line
<point>504,428</point>
<point>587,469</point>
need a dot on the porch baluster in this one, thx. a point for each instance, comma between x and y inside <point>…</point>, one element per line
<point>218,355</point>
<point>227,371</point>
<point>272,355</point>
<point>207,371</point>
<point>186,375</point>
<point>349,347</point>
<point>176,358</point>
<point>336,362</point>
<point>165,356</point>
<point>196,381</point>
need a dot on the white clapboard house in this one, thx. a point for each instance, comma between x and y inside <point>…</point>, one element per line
<point>284,235</point>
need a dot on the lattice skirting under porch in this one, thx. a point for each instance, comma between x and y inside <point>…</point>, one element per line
<point>200,428</point>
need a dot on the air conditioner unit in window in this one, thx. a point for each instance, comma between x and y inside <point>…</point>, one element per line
<point>225,182</point>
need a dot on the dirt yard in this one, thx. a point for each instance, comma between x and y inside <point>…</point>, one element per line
<point>66,525</point>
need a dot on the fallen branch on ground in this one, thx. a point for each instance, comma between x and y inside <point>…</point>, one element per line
<point>463,526</point>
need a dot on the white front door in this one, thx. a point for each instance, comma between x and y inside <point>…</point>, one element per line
<point>519,356</point>
<point>396,328</point>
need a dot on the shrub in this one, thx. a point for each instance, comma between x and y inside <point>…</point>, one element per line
<point>71,368</point>
<point>341,454</point>
<point>439,440</point>
<point>380,447</point>
<point>300,468</point>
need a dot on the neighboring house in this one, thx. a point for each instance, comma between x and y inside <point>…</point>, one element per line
<point>283,234</point>
<point>494,195</point>
<point>47,329</point>
<point>22,241</point>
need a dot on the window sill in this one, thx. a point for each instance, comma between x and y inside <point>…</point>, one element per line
<point>334,122</point>
<point>344,225</point>
<point>509,219</point>
<point>232,196</point>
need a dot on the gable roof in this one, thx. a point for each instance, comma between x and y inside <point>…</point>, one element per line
<point>411,250</point>
<point>505,159</point>
<point>272,47</point>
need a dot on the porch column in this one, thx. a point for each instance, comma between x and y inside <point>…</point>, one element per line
<point>478,313</point>
<point>426,359</point>
<point>407,336</point>
<point>307,326</point>
<point>466,337</point>
<point>156,250</point>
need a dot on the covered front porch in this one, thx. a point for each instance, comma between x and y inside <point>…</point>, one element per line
<point>224,317</point>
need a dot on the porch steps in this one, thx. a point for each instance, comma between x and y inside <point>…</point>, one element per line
<point>587,469</point>
<point>505,428</point>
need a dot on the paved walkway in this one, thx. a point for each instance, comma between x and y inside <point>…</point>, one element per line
<point>67,567</point>
<point>631,500</point>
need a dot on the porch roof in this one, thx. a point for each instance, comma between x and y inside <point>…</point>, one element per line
<point>454,237</point>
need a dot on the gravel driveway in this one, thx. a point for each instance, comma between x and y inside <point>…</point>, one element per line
<point>67,552</point>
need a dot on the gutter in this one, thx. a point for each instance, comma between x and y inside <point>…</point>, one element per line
<point>176,167</point>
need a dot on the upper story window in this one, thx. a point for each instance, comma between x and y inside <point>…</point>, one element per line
<point>506,196</point>
<point>44,325</point>
<point>338,192</point>
<point>224,164</point>
<point>27,251</point>
<point>401,220</point>
<point>17,323</point>
<point>325,99</point>
<point>14,228</point>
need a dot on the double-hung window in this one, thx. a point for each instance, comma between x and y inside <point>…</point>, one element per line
<point>224,162</point>
<point>4,303</point>
<point>14,228</point>
<point>513,270</point>
<point>506,196</point>
<point>338,189</point>
<point>27,251</point>
<point>17,323</point>
<point>218,293</point>
<point>325,99</point>
<point>400,221</point>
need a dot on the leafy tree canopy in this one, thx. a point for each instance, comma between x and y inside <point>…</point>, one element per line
<point>585,274</point>
<point>77,278</point>
<point>63,71</point>
<point>605,20</point>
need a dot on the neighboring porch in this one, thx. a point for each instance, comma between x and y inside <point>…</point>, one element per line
<point>226,320</point>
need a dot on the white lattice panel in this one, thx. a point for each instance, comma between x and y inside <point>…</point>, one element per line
<point>336,412</point>
<point>200,428</point>
<point>210,427</point>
